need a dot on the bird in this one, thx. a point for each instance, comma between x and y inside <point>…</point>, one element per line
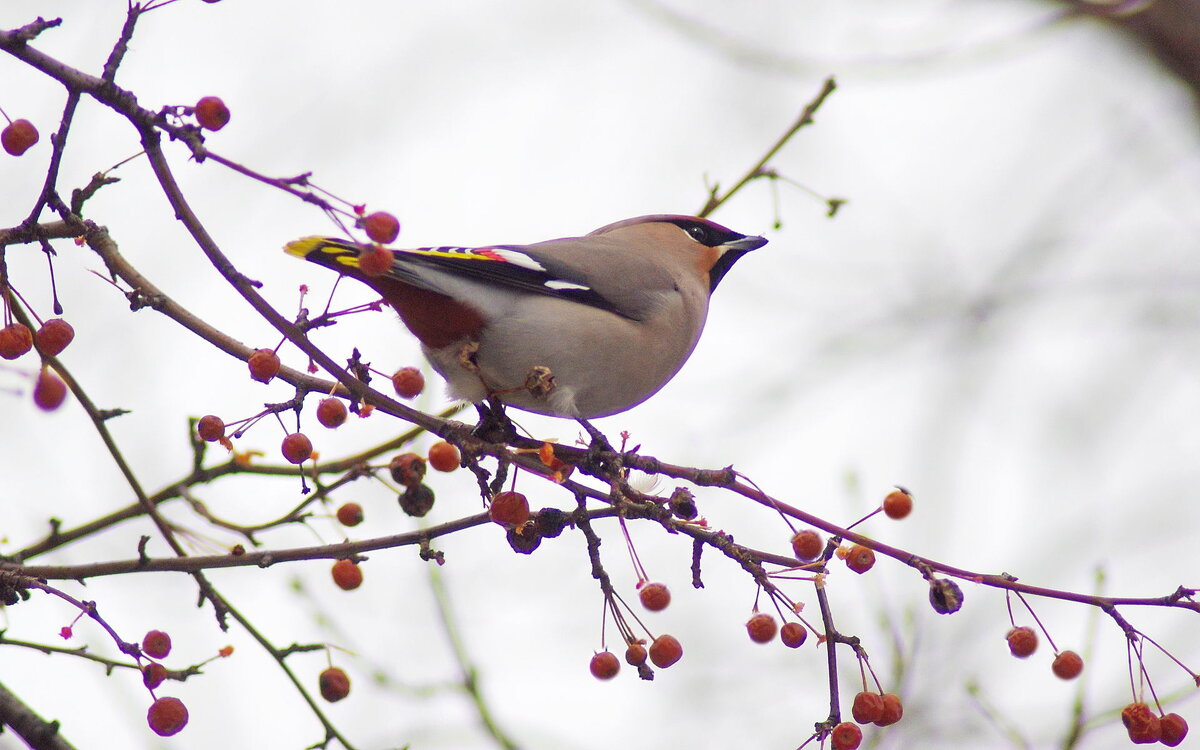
<point>578,327</point>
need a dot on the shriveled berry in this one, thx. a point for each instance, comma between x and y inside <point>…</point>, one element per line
<point>332,412</point>
<point>381,227</point>
<point>407,469</point>
<point>53,336</point>
<point>655,596</point>
<point>210,428</point>
<point>762,628</point>
<point>898,504</point>
<point>153,675</point>
<point>793,634</point>
<point>945,595</point>
<point>893,710</point>
<point>1143,726</point>
<point>347,575</point>
<point>264,365</point>
<point>635,654</point>
<point>1173,729</point>
<point>860,559</point>
<point>15,340</point>
<point>375,260</point>
<point>604,665</point>
<point>1067,665</point>
<point>167,716</point>
<point>18,137</point>
<point>156,644</point>
<point>443,456</point>
<point>683,504</point>
<point>296,448</point>
<point>1022,641</point>
<point>350,514</point>
<point>665,651</point>
<point>211,113</point>
<point>49,391</point>
<point>408,382</point>
<point>807,544</point>
<point>867,708</point>
<point>845,736</point>
<point>417,501</point>
<point>509,509</point>
<point>334,684</point>
<point>524,539</point>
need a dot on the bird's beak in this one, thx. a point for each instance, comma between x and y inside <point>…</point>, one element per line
<point>745,244</point>
<point>731,251</point>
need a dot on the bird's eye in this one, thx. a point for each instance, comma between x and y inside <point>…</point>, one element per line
<point>699,233</point>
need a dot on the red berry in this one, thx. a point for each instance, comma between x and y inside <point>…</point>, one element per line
<point>1143,726</point>
<point>49,391</point>
<point>845,736</point>
<point>1022,641</point>
<point>604,665</point>
<point>264,365</point>
<point>350,514</point>
<point>53,336</point>
<point>210,428</point>
<point>860,559</point>
<point>762,628</point>
<point>211,113</point>
<point>15,340</point>
<point>868,707</point>
<point>1067,665</point>
<point>665,651</point>
<point>635,654</point>
<point>153,675</point>
<point>807,544</point>
<point>347,575</point>
<point>893,710</point>
<point>443,456</point>
<point>381,227</point>
<point>655,596</point>
<point>1173,729</point>
<point>375,260</point>
<point>509,509</point>
<point>18,137</point>
<point>156,644</point>
<point>167,716</point>
<point>296,448</point>
<point>408,382</point>
<point>793,634</point>
<point>408,469</point>
<point>898,504</point>
<point>334,684</point>
<point>332,412</point>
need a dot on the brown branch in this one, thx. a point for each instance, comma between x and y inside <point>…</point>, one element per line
<point>38,733</point>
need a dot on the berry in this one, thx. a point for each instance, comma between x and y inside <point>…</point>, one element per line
<point>18,137</point>
<point>860,559</point>
<point>524,539</point>
<point>350,514</point>
<point>408,469</point>
<point>1143,726</point>
<point>53,336</point>
<point>15,340</point>
<point>509,509</point>
<point>332,412</point>
<point>898,504</point>
<point>381,227</point>
<point>655,596</point>
<point>635,654</point>
<point>417,501</point>
<point>604,665</point>
<point>793,634</point>
<point>762,628</point>
<point>375,260</point>
<point>296,448</point>
<point>893,710</point>
<point>210,428</point>
<point>264,365</point>
<point>347,575</point>
<point>1067,665</point>
<point>408,382</point>
<point>945,595</point>
<point>153,675</point>
<point>156,644</point>
<point>49,391</point>
<point>845,736</point>
<point>443,456</point>
<point>1022,641</point>
<point>868,707</point>
<point>167,716</point>
<point>807,545</point>
<point>1173,729</point>
<point>665,651</point>
<point>211,113</point>
<point>334,684</point>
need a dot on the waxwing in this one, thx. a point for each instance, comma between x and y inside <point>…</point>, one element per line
<point>579,327</point>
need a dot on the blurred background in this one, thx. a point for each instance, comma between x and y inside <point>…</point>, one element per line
<point>1002,318</point>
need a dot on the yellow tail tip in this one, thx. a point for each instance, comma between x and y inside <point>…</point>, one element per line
<point>302,247</point>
